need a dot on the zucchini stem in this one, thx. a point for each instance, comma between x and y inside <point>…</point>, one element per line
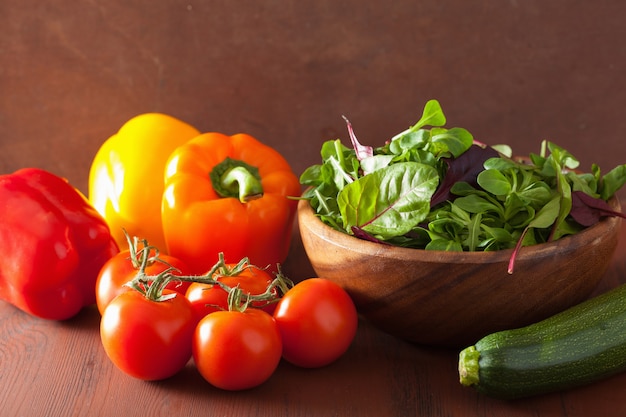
<point>468,366</point>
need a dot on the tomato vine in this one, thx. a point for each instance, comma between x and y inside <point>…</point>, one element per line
<point>153,286</point>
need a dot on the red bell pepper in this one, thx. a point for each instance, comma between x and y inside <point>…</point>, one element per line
<point>52,245</point>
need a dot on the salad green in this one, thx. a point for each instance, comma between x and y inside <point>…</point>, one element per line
<point>434,188</point>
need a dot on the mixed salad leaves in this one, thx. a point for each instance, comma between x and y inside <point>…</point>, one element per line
<point>434,188</point>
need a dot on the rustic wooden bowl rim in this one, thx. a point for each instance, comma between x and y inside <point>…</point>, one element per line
<point>566,243</point>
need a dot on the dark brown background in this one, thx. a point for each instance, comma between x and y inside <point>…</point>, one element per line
<point>285,71</point>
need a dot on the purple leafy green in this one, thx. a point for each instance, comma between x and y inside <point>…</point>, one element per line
<point>361,151</point>
<point>587,210</point>
<point>465,168</point>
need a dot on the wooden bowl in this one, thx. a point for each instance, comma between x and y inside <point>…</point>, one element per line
<point>452,299</point>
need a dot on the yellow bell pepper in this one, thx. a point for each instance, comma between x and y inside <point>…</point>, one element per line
<point>126,179</point>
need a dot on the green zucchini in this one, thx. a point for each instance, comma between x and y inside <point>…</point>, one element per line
<point>578,346</point>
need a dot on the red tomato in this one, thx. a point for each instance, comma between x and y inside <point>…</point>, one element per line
<point>237,350</point>
<point>317,321</point>
<point>207,298</point>
<point>118,270</point>
<point>149,340</point>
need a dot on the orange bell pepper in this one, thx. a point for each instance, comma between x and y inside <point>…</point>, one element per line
<point>126,176</point>
<point>228,194</point>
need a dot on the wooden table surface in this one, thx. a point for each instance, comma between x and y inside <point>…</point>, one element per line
<point>50,368</point>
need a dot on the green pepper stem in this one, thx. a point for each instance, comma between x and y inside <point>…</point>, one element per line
<point>234,178</point>
<point>247,187</point>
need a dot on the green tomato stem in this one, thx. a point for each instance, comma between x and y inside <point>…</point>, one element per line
<point>152,286</point>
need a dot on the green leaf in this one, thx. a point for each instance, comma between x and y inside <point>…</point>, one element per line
<point>411,140</point>
<point>474,203</point>
<point>338,174</point>
<point>312,175</point>
<point>459,213</point>
<point>567,228</point>
<point>563,157</point>
<point>376,162</point>
<point>565,190</point>
<point>494,182</point>
<point>389,202</point>
<point>345,157</point>
<point>446,226</point>
<point>503,149</point>
<point>586,183</point>
<point>474,230</point>
<point>456,141</point>
<point>322,202</point>
<point>501,164</point>
<point>332,148</point>
<point>431,116</point>
<point>516,213</point>
<point>498,234</point>
<point>612,181</point>
<point>546,217</point>
<point>463,188</point>
<point>417,155</point>
<point>536,194</point>
<point>444,245</point>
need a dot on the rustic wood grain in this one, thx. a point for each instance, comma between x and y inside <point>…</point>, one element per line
<point>59,368</point>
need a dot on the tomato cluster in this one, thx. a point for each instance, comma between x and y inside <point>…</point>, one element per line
<point>236,322</point>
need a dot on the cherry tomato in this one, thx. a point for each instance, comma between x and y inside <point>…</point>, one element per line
<point>149,340</point>
<point>119,269</point>
<point>317,321</point>
<point>236,350</point>
<point>208,298</point>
